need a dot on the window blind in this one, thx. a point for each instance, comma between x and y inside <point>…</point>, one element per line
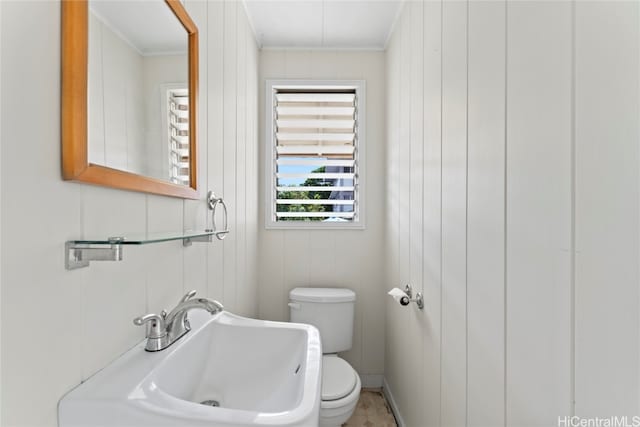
<point>316,155</point>
<point>178,136</point>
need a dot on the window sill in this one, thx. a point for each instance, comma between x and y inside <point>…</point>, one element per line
<point>318,226</point>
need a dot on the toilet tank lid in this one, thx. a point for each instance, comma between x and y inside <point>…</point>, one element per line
<point>322,295</point>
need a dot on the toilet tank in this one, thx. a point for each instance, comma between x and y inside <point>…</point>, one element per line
<point>331,310</point>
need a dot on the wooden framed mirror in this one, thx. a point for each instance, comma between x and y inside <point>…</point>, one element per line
<point>129,95</point>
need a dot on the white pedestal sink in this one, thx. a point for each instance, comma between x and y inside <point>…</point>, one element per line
<point>259,373</point>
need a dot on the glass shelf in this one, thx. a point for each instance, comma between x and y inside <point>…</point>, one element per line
<point>80,252</point>
<point>146,238</point>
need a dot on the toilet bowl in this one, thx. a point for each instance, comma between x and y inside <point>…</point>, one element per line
<point>331,310</point>
<point>340,391</point>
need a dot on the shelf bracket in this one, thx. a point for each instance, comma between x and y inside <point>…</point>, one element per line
<point>80,255</point>
<point>206,239</point>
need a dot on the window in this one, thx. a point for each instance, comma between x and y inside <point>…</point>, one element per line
<point>175,107</point>
<point>315,154</point>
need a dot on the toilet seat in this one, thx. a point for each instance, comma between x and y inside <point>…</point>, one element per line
<point>338,378</point>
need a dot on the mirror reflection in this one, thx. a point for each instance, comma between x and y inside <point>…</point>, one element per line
<point>138,98</point>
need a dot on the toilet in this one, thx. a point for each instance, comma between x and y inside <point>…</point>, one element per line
<point>331,310</point>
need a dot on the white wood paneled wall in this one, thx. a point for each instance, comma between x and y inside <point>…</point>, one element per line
<point>538,209</point>
<point>486,213</point>
<point>607,117</point>
<point>1,180</point>
<point>333,258</point>
<point>513,203</point>
<point>83,318</point>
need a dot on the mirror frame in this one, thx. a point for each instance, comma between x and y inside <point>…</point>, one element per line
<point>75,161</point>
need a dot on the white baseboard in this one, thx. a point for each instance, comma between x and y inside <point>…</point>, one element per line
<point>392,403</point>
<point>371,380</point>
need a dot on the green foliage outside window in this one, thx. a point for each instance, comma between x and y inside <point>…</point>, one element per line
<point>297,193</point>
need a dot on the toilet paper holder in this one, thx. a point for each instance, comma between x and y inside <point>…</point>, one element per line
<point>419,300</point>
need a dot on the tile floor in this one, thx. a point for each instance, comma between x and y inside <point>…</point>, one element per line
<point>372,411</point>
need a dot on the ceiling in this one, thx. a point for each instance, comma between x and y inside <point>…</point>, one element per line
<point>328,24</point>
<point>150,27</point>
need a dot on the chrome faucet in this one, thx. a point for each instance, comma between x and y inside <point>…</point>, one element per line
<point>165,329</point>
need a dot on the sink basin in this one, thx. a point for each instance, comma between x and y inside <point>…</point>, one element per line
<point>228,371</point>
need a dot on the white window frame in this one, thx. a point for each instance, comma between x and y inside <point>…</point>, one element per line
<point>272,86</point>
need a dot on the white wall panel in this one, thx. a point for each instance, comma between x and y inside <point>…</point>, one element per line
<point>95,102</point>
<point>347,276</point>
<point>1,276</point>
<point>393,329</point>
<point>372,282</point>
<point>322,252</point>
<point>415,102</point>
<point>229,153</point>
<point>416,148</point>
<point>215,136</point>
<point>242,296</point>
<point>607,215</point>
<point>271,286</point>
<point>401,328</point>
<point>485,213</point>
<point>39,213</point>
<point>164,260</point>
<point>252,169</point>
<point>538,364</point>
<point>432,214</point>
<point>108,284</point>
<point>454,215</point>
<point>273,299</point>
<point>404,145</point>
<point>114,91</point>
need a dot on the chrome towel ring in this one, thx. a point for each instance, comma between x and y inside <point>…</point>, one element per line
<point>213,203</point>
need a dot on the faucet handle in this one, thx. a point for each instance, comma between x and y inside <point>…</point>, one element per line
<point>156,327</point>
<point>188,296</point>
